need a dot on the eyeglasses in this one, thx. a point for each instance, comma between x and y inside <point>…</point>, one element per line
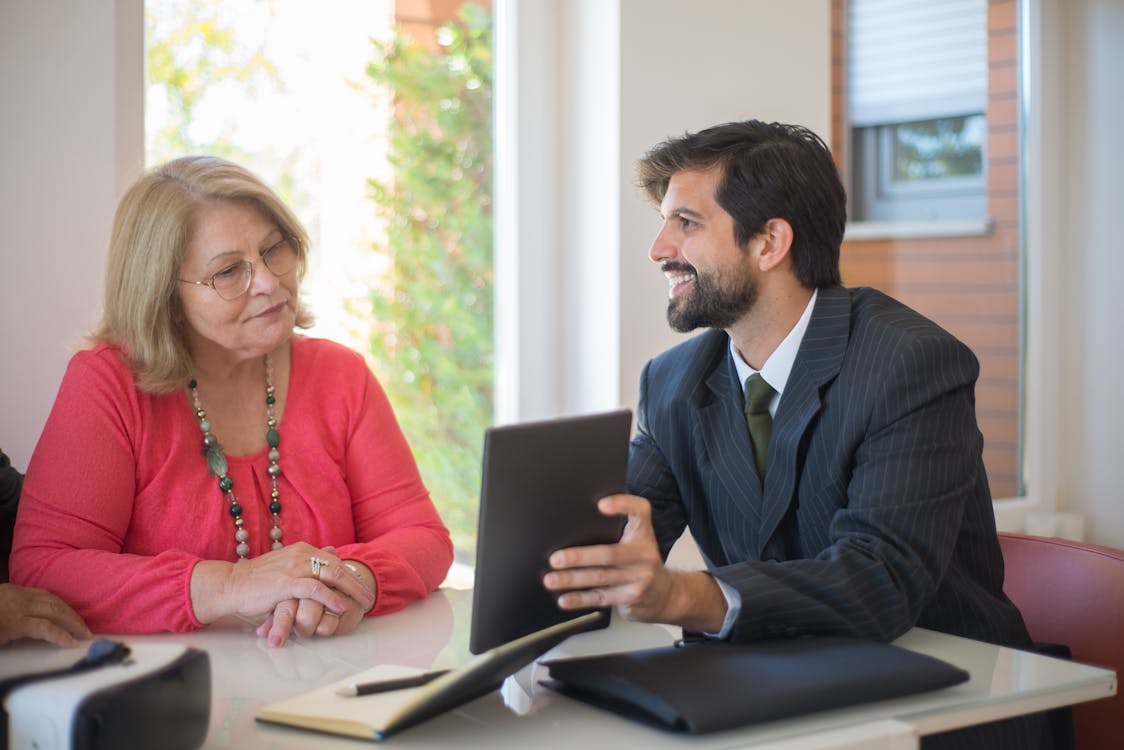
<point>234,280</point>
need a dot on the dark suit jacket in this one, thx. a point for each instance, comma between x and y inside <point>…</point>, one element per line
<point>875,515</point>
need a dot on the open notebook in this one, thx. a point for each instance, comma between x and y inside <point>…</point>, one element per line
<point>377,716</point>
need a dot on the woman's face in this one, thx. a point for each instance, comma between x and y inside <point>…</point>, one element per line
<point>253,324</point>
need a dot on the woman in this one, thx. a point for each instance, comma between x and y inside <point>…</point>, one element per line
<point>203,461</point>
<point>27,612</point>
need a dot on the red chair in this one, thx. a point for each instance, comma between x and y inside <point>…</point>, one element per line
<point>1072,593</point>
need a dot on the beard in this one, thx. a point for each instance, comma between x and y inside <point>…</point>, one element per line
<point>714,301</point>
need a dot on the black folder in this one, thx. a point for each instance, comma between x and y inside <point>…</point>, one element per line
<point>717,685</point>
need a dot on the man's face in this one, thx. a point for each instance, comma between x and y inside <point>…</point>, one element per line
<point>710,279</point>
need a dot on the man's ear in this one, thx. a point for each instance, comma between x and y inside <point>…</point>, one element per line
<point>777,236</point>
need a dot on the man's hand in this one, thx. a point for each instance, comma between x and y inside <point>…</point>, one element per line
<point>35,613</point>
<point>631,576</point>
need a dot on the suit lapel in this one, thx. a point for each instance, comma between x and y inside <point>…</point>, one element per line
<point>726,437</point>
<point>817,363</point>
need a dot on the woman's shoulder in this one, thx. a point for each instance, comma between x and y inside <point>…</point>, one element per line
<point>101,360</point>
<point>325,358</point>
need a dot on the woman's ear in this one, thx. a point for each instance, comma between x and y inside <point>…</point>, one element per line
<point>777,236</point>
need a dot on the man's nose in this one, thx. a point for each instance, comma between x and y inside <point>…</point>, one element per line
<point>665,246</point>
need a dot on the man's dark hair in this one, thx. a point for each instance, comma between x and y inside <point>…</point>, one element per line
<point>769,170</point>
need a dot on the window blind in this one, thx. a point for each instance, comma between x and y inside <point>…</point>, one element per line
<point>915,59</point>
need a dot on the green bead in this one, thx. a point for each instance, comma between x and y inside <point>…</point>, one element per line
<point>226,484</point>
<point>236,510</point>
<point>270,400</point>
<point>273,437</point>
<point>216,461</point>
<point>275,507</point>
<point>192,384</point>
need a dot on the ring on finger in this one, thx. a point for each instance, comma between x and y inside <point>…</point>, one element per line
<point>317,564</point>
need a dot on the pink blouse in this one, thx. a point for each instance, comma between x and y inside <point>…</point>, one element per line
<point>118,505</point>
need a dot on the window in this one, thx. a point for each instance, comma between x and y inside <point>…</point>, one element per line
<point>929,130</point>
<point>916,93</point>
<point>373,120</point>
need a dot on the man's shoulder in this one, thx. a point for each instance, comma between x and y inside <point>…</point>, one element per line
<point>878,315</point>
<point>887,336</point>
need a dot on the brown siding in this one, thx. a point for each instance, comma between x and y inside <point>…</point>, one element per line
<point>969,285</point>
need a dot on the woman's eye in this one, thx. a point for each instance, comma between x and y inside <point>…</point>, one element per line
<point>229,272</point>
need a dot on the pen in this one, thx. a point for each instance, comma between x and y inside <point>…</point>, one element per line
<point>383,686</point>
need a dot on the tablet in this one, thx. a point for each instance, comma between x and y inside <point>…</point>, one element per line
<point>539,491</point>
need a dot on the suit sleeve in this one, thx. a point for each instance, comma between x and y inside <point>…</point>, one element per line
<point>913,465</point>
<point>650,476</point>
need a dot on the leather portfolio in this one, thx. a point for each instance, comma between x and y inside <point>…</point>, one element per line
<point>717,685</point>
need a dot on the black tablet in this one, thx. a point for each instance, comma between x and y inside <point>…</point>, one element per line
<point>539,491</point>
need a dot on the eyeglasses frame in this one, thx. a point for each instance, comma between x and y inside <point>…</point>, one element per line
<point>250,278</point>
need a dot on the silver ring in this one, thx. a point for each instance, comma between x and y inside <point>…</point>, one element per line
<point>317,563</point>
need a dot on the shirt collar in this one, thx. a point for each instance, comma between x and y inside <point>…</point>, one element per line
<point>778,366</point>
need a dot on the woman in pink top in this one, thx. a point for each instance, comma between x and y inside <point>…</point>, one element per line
<point>201,460</point>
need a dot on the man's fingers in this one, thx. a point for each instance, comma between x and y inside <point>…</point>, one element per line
<point>593,577</point>
<point>46,630</point>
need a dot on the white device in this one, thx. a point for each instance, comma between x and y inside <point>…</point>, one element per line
<point>159,696</point>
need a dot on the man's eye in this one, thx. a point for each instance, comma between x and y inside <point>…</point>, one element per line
<point>687,223</point>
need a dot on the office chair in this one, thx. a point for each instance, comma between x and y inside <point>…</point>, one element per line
<point>1072,593</point>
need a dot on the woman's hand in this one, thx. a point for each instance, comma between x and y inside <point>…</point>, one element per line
<point>309,617</point>
<point>256,587</point>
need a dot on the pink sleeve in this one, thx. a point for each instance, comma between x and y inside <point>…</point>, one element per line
<point>77,505</point>
<point>401,536</point>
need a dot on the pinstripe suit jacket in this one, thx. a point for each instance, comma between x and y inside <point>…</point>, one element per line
<point>875,514</point>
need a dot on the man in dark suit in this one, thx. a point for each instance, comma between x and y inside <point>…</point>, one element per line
<point>871,512</point>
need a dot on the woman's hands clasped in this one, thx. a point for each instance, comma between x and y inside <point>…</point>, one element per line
<point>297,588</point>
<point>312,617</point>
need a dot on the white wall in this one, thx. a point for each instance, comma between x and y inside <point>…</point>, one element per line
<point>71,140</point>
<point>1091,257</point>
<point>750,59</point>
<point>596,84</point>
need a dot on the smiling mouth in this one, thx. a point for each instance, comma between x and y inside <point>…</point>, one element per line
<point>677,283</point>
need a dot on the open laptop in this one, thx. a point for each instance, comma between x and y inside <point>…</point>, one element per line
<point>539,492</point>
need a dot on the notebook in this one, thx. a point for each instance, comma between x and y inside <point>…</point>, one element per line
<point>539,491</point>
<point>716,685</point>
<point>377,716</point>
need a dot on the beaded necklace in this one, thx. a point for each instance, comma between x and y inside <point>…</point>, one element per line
<point>217,465</point>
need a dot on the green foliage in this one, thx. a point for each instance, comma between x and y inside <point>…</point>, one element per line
<point>190,53</point>
<point>432,341</point>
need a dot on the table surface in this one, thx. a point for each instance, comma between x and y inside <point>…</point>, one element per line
<point>247,674</point>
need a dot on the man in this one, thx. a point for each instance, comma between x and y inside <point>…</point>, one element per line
<point>870,512</point>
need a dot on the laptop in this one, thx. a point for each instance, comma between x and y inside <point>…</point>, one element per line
<point>539,491</point>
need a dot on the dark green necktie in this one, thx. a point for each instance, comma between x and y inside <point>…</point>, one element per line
<point>758,394</point>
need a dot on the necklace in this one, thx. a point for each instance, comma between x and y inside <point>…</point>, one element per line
<point>217,465</point>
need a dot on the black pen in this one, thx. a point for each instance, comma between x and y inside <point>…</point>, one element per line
<point>383,686</point>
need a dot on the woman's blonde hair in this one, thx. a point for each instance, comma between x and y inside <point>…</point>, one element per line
<point>151,230</point>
